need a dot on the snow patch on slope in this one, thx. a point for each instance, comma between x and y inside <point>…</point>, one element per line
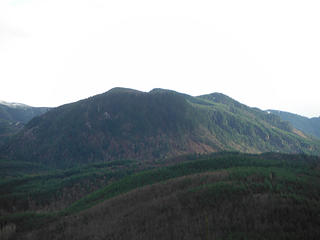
<point>14,105</point>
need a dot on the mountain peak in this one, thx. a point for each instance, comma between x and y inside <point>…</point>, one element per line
<point>221,98</point>
<point>162,90</point>
<point>216,96</point>
<point>13,104</point>
<point>122,90</point>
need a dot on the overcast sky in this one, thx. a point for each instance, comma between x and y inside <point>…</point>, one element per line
<point>265,54</point>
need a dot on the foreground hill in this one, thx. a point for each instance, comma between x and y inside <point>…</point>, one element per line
<point>128,124</point>
<point>218,196</point>
<point>310,126</point>
<point>13,116</point>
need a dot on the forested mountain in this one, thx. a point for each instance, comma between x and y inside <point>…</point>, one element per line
<point>129,124</point>
<point>310,126</point>
<point>13,116</point>
<point>158,165</point>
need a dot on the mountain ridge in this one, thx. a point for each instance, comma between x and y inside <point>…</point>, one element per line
<point>310,126</point>
<point>125,123</point>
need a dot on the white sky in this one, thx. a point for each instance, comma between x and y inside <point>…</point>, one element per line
<point>265,54</point>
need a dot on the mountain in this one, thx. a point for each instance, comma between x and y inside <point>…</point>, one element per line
<point>13,116</point>
<point>309,126</point>
<point>153,165</point>
<point>129,124</point>
<point>18,112</point>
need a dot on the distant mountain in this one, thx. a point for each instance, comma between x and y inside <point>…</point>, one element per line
<point>18,112</point>
<point>129,124</point>
<point>13,116</point>
<point>309,126</point>
<point>13,105</point>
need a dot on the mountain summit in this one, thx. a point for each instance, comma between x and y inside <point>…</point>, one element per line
<point>13,116</point>
<point>129,124</point>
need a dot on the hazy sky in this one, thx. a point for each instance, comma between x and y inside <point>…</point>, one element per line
<point>265,54</point>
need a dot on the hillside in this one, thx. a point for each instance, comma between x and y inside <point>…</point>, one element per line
<point>13,116</point>
<point>128,124</point>
<point>217,196</point>
<point>17,112</point>
<point>309,126</point>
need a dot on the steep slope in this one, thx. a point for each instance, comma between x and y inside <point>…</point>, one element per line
<point>13,116</point>
<point>239,109</point>
<point>128,124</point>
<point>251,130</point>
<point>309,126</point>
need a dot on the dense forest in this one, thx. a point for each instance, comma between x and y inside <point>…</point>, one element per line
<point>310,126</point>
<point>222,195</point>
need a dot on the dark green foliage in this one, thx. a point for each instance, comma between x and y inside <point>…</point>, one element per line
<point>54,189</point>
<point>218,196</point>
<point>309,126</point>
<point>10,169</point>
<point>202,164</point>
<point>8,129</point>
<point>238,108</point>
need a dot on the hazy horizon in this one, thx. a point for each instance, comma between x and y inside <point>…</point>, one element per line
<point>262,54</point>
